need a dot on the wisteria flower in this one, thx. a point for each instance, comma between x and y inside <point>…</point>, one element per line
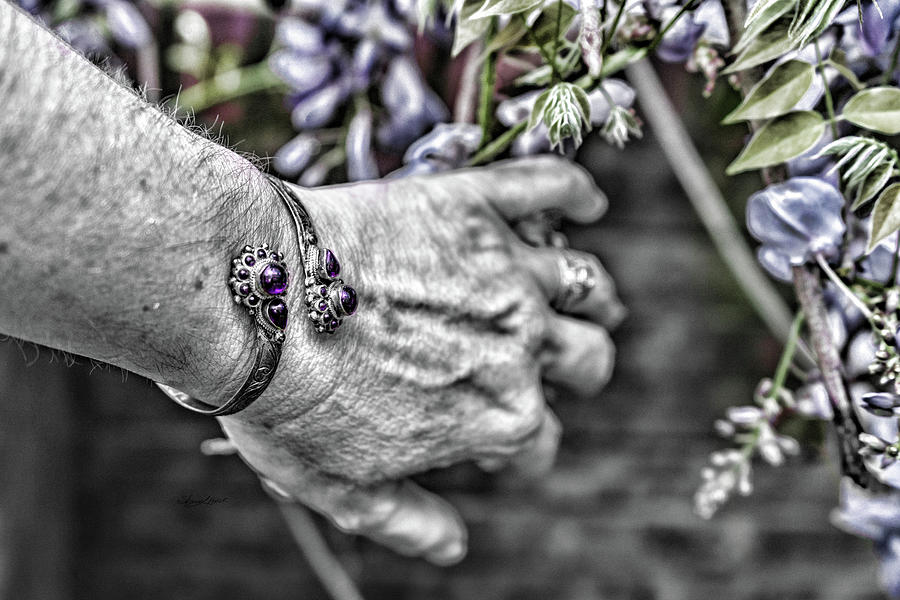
<point>445,147</point>
<point>877,517</point>
<point>795,221</point>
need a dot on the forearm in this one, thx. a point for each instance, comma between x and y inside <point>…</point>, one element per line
<point>117,225</point>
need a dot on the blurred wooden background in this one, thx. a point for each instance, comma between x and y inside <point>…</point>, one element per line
<point>92,464</point>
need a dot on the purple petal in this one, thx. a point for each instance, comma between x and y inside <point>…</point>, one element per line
<point>360,160</point>
<point>301,36</point>
<point>533,141</point>
<point>302,73</point>
<point>797,218</point>
<point>679,42</point>
<point>451,143</point>
<point>620,92</point>
<point>317,109</point>
<point>295,155</point>
<point>776,263</point>
<point>127,24</point>
<point>517,109</point>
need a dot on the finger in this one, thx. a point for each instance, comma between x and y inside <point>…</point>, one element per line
<point>600,304</point>
<point>538,455</point>
<point>518,188</point>
<point>535,456</point>
<point>398,514</point>
<point>581,356</point>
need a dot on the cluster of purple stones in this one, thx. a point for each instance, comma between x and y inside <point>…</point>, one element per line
<point>328,299</point>
<point>259,280</point>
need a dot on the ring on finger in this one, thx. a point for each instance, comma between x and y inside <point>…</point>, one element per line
<point>576,280</point>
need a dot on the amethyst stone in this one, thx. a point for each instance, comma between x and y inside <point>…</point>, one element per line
<point>273,280</point>
<point>261,253</point>
<point>249,261</point>
<point>244,289</point>
<point>277,312</point>
<point>331,264</point>
<point>243,273</point>
<point>252,300</point>
<point>323,305</point>
<point>348,299</point>
<point>323,291</point>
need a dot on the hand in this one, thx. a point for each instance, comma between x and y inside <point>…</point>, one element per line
<point>444,361</point>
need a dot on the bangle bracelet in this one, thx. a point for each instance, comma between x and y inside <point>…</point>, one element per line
<point>328,299</point>
<point>259,281</point>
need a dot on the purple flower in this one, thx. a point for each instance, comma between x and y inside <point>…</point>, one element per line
<point>360,160</point>
<point>318,108</point>
<point>412,105</point>
<point>295,155</point>
<point>878,27</point>
<point>877,517</point>
<point>795,221</point>
<point>880,433</point>
<point>445,147</point>
<point>679,42</point>
<point>301,72</point>
<point>127,24</point>
<point>879,263</point>
<point>300,36</point>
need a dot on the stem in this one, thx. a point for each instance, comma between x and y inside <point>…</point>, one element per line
<point>486,93</point>
<point>659,37</point>
<point>229,86</point>
<point>556,36</point>
<point>859,304</point>
<point>809,294</point>
<point>543,51</point>
<point>895,55</point>
<point>498,145</point>
<point>710,206</point>
<point>829,102</point>
<point>787,355</point>
<point>467,96</point>
<point>894,264</point>
<point>612,29</point>
<point>336,581</point>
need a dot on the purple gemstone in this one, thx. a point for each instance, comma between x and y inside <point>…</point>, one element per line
<point>277,312</point>
<point>348,299</point>
<point>249,261</point>
<point>332,266</point>
<point>323,291</point>
<point>244,289</point>
<point>323,305</point>
<point>334,324</point>
<point>252,300</point>
<point>273,280</point>
<point>243,273</point>
<point>261,253</point>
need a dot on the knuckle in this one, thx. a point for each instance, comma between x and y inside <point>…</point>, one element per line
<point>364,518</point>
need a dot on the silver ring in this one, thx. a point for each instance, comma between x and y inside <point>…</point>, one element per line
<point>576,280</point>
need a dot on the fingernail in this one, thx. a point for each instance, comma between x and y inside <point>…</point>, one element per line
<point>449,554</point>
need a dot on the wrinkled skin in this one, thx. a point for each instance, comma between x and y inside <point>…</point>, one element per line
<point>444,361</point>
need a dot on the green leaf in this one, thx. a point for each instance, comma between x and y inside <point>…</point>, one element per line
<point>780,140</point>
<point>885,216</point>
<point>776,94</point>
<point>613,63</point>
<point>494,8</point>
<point>769,45</point>
<point>537,111</point>
<point>763,15</point>
<point>545,27</point>
<point>873,184</point>
<point>467,29</point>
<point>507,37</point>
<point>817,15</point>
<point>876,109</point>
